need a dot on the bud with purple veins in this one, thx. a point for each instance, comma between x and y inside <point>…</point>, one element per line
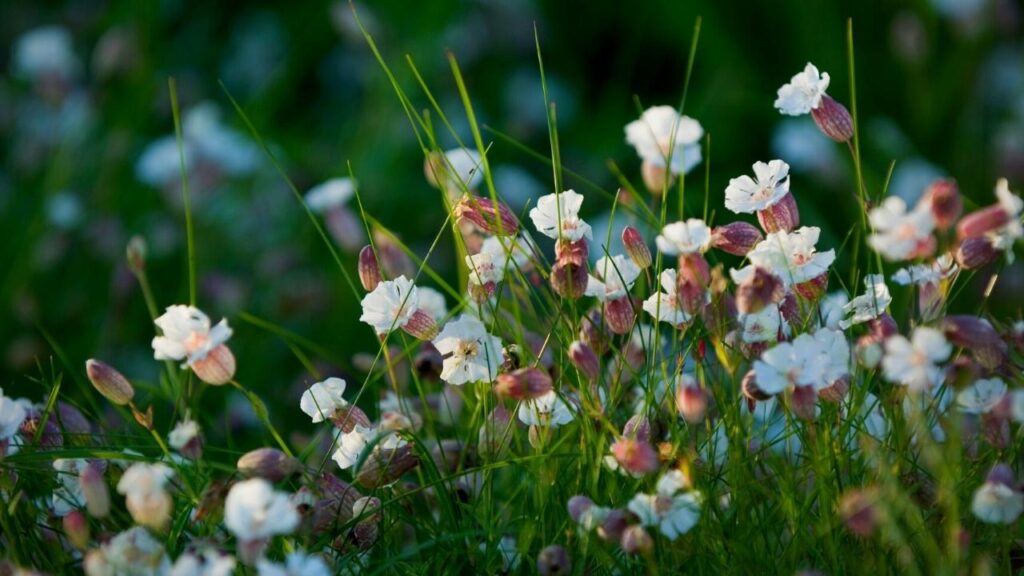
<point>637,427</point>
<point>109,382</point>
<point>833,119</point>
<point>346,418</point>
<point>975,253</point>
<point>494,218</point>
<point>369,269</point>
<point>636,248</point>
<point>421,326</point>
<point>217,368</point>
<point>783,215</point>
<point>978,336</point>
<point>620,314</point>
<point>269,463</point>
<point>584,359</point>
<point>981,222</point>
<point>814,288</point>
<point>758,291</point>
<point>943,198</point>
<point>736,238</point>
<point>568,279</point>
<point>386,465</point>
<point>523,384</point>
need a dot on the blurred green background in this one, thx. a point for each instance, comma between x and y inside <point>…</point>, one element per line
<point>940,92</point>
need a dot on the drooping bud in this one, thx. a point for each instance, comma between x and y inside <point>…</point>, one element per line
<point>736,238</point>
<point>217,368</point>
<point>569,280</point>
<point>758,291</point>
<point>369,270</point>
<point>109,382</point>
<point>978,336</point>
<point>554,561</point>
<point>95,490</point>
<point>654,177</point>
<point>833,119</point>
<point>980,222</point>
<point>635,456</point>
<point>619,314</point>
<point>336,504</point>
<point>636,540</point>
<point>975,253</point>
<point>269,463</point>
<point>136,254</point>
<point>691,401</point>
<point>584,359</point>
<point>783,215</point>
<point>523,384</point>
<point>636,248</point>
<point>492,217</point>
<point>386,465</point>
<point>637,427</point>
<point>943,198</point>
<point>421,326</point>
<point>76,528</point>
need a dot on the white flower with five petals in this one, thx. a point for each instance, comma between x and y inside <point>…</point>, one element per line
<point>803,93</point>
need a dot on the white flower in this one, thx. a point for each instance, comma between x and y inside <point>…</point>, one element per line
<point>296,564</point>
<point>744,195</point>
<point>869,305</point>
<point>183,433</point>
<point>253,510</point>
<point>391,305</point>
<point>432,302</point>
<point>133,551</point>
<point>187,334</point>
<point>831,308</point>
<point>982,396</point>
<point>872,417</point>
<point>146,497</point>
<point>68,495</point>
<point>914,363</point>
<point>687,237</point>
<point>12,414</point>
<point>351,445</point>
<point>330,194</point>
<point>323,399</point>
<point>512,252</point>
<point>897,233</point>
<point>485,268</point>
<point>788,364</point>
<point>803,93</point>
<point>207,563</point>
<point>1004,237</point>
<point>674,514</point>
<point>762,326</point>
<point>45,51</point>
<point>662,306</point>
<point>834,357</point>
<point>943,267</point>
<point>792,255</point>
<point>547,410</point>
<point>557,216</point>
<point>617,275</point>
<point>661,133</point>
<point>470,353</point>
<point>462,169</point>
<point>997,503</point>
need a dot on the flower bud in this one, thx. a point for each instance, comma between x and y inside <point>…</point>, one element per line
<point>592,332</point>
<point>109,382</point>
<point>943,198</point>
<point>421,326</point>
<point>614,524</point>
<point>783,215</point>
<point>836,391</point>
<point>523,384</point>
<point>569,280</point>
<point>636,248</point>
<point>336,504</point>
<point>635,456</point>
<point>833,119</point>
<point>76,528</point>
<point>619,314</point>
<point>572,252</point>
<point>803,401</point>
<point>394,262</point>
<point>345,228</point>
<point>136,253</point>
<point>492,217</point>
<point>346,418</point>
<point>736,238</point>
<point>269,463</point>
<point>637,427</point>
<point>751,390</point>
<point>584,359</point>
<point>883,327</point>
<point>95,490</point>
<point>369,270</point>
<point>386,465</point>
<point>654,177</point>
<point>1001,473</point>
<point>979,337</point>
<point>857,508</point>
<point>553,561</point>
<point>578,506</point>
<point>814,288</point>
<point>636,540</point>
<point>980,222</point>
<point>217,368</point>
<point>975,253</point>
<point>691,402</point>
<point>758,291</point>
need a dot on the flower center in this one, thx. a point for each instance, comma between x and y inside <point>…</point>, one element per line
<point>195,341</point>
<point>468,349</point>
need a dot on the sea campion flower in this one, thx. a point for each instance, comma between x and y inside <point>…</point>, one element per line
<point>547,410</point>
<point>806,93</point>
<point>982,396</point>
<point>330,199</point>
<point>792,256</point>
<point>324,399</point>
<point>690,237</point>
<point>133,551</point>
<point>763,326</point>
<point>470,353</point>
<point>673,513</point>
<point>455,171</point>
<point>146,497</point>
<point>209,562</point>
<point>296,564</point>
<point>395,304</point>
<point>188,336</point>
<point>869,305</point>
<point>788,365</point>
<point>768,196</point>
<point>557,217</point>
<point>663,305</point>
<point>485,272</point>
<point>253,510</point>
<point>899,234</point>
<point>663,138</point>
<point>932,273</point>
<point>186,438</point>
<point>915,362</point>
<point>998,500</point>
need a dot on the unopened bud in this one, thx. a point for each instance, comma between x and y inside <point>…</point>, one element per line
<point>386,465</point>
<point>109,382</point>
<point>758,290</point>
<point>217,368</point>
<point>783,215</point>
<point>592,332</point>
<point>636,248</point>
<point>637,427</point>
<point>76,528</point>
<point>814,288</point>
<point>978,336</point>
<point>572,252</point>
<point>619,314</point>
<point>269,463</point>
<point>981,222</point>
<point>654,177</point>
<point>614,524</point>
<point>857,508</point>
<point>635,456</point>
<point>569,280</point>
<point>553,561</point>
<point>736,238</point>
<point>691,402</point>
<point>943,198</point>
<point>95,490</point>
<point>833,119</point>
<point>346,418</point>
<point>136,253</point>
<point>492,217</point>
<point>421,326</point>
<point>975,253</point>
<point>751,390</point>
<point>802,402</point>
<point>584,359</point>
<point>523,384</point>
<point>336,504</point>
<point>636,540</point>
<point>369,269</point>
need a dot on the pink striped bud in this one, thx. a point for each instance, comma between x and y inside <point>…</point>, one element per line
<point>654,177</point>
<point>619,314</point>
<point>635,456</point>
<point>976,252</point>
<point>348,417</point>
<point>493,217</point>
<point>736,238</point>
<point>833,119</point>
<point>802,402</point>
<point>269,463</point>
<point>109,382</point>
<point>421,326</point>
<point>759,290</point>
<point>217,368</point>
<point>76,528</point>
<point>943,198</point>
<point>569,280</point>
<point>572,252</point>
<point>584,359</point>
<point>386,466</point>
<point>638,427</point>
<point>691,402</point>
<point>836,391</point>
<point>95,490</point>
<point>789,308</point>
<point>978,336</point>
<point>523,384</point>
<point>981,222</point>
<point>814,288</point>
<point>783,215</point>
<point>369,269</point>
<point>636,248</point>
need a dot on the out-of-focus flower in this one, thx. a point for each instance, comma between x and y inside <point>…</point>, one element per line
<point>12,414</point>
<point>471,354</point>
<point>455,171</point>
<point>188,336</point>
<point>133,551</point>
<point>744,195</point>
<point>185,437</point>
<point>914,362</point>
<point>673,513</point>
<point>869,305</point>
<point>296,564</point>
<point>333,193</point>
<point>68,495</point>
<point>323,399</point>
<point>942,268</point>
<point>557,216</point>
<point>46,52</point>
<point>981,396</point>
<point>208,562</point>
<point>789,364</point>
<point>763,326</point>
<point>547,410</point>
<point>899,234</point>
<point>253,510</point>
<point>615,278</point>
<point>689,237</point>
<point>998,501</point>
<point>144,488</point>
<point>803,93</point>
<point>553,561</point>
<point>485,271</point>
<point>664,138</point>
